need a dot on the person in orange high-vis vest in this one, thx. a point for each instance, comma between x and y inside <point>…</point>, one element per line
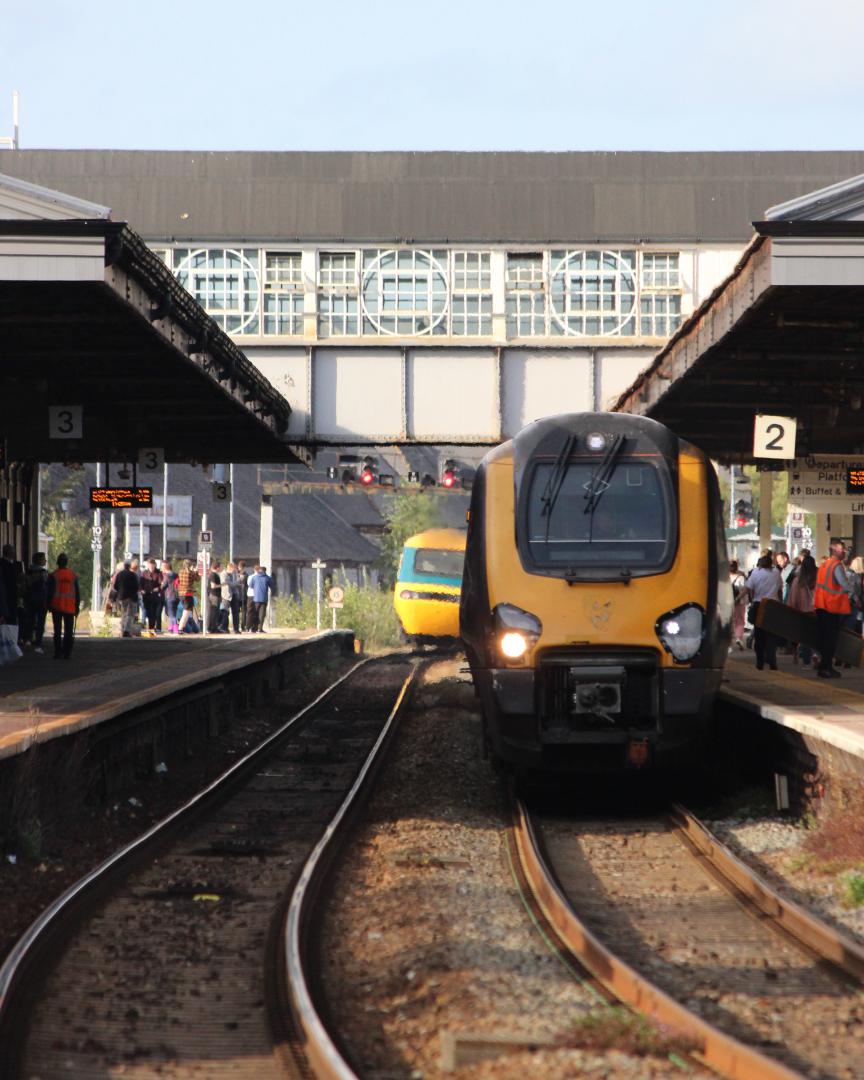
<point>64,600</point>
<point>832,601</point>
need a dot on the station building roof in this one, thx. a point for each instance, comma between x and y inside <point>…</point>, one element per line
<point>444,197</point>
<point>782,335</point>
<point>91,318</point>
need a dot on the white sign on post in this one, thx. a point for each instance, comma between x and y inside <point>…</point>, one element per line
<point>65,421</point>
<point>774,437</point>
<point>151,459</point>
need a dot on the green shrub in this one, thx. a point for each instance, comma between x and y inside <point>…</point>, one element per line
<point>368,612</point>
<point>853,889</point>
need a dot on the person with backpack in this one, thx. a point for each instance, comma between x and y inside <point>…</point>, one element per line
<point>35,603</point>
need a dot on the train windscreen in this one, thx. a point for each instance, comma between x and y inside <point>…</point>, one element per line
<point>580,520</point>
<point>439,563</point>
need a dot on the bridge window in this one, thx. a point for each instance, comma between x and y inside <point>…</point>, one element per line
<point>225,282</point>
<point>471,299</point>
<point>526,295</point>
<point>283,293</point>
<point>404,292</point>
<point>593,293</point>
<point>337,294</point>
<point>660,296</point>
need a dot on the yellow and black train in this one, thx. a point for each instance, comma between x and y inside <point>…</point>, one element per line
<point>596,599</point>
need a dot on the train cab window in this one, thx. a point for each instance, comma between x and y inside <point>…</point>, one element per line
<point>439,563</point>
<point>629,522</point>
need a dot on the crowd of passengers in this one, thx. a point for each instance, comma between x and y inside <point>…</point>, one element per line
<point>236,599</point>
<point>833,590</point>
<point>150,601</point>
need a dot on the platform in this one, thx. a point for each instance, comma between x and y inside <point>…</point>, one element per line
<point>42,698</point>
<point>828,710</point>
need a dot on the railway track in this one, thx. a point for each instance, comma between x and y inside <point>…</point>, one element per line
<point>677,928</point>
<point>167,957</point>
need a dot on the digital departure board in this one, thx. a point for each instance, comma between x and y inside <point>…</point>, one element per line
<point>855,481</point>
<point>121,498</point>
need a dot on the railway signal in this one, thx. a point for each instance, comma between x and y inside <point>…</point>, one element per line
<point>448,474</point>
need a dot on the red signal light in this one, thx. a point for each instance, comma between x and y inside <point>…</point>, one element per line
<point>448,479</point>
<point>741,521</point>
<point>367,477</point>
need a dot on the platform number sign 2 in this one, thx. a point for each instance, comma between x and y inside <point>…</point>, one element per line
<point>65,421</point>
<point>774,437</point>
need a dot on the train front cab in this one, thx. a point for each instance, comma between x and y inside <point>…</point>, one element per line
<point>428,585</point>
<point>599,687</point>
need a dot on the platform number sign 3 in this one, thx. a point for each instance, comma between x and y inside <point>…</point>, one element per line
<point>774,437</point>
<point>151,459</point>
<point>65,421</point>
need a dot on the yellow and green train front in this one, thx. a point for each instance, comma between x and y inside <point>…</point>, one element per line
<point>595,612</point>
<point>429,584</point>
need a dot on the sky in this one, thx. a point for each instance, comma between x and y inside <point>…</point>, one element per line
<point>453,75</point>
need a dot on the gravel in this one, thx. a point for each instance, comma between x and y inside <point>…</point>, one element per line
<point>425,933</point>
<point>775,847</point>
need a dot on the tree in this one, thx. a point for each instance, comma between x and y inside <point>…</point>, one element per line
<point>407,514</point>
<point>71,533</point>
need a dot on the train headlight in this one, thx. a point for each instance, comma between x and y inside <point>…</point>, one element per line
<point>409,594</point>
<point>513,645</point>
<point>515,630</point>
<point>681,631</point>
<point>596,442</point>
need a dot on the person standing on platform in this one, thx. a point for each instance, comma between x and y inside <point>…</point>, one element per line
<point>11,571</point>
<point>801,599</point>
<point>261,585</point>
<point>35,603</point>
<point>168,590</point>
<point>187,582</point>
<point>227,578</point>
<point>214,598</point>
<point>833,599</point>
<point>739,609</point>
<point>764,583</point>
<point>151,595</point>
<point>126,589</point>
<point>235,602</point>
<point>64,602</point>
<point>241,587</point>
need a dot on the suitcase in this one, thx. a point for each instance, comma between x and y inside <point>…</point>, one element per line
<point>802,626</point>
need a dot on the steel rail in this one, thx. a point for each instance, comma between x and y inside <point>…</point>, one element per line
<point>26,952</point>
<point>831,944</point>
<point>322,1054</point>
<point>717,1050</point>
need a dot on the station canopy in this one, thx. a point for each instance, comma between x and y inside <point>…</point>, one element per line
<point>782,335</point>
<point>103,353</point>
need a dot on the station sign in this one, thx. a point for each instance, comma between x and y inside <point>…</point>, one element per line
<point>151,459</point>
<point>774,437</point>
<point>828,484</point>
<point>120,498</point>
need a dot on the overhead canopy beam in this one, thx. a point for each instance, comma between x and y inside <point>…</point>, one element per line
<point>783,334</point>
<point>89,316</point>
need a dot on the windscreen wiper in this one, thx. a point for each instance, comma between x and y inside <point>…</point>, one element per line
<point>602,475</point>
<point>556,479</point>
